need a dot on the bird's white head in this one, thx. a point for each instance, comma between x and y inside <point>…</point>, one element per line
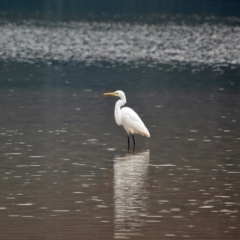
<point>117,93</point>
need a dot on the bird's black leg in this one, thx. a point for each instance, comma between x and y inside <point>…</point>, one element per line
<point>133,140</point>
<point>128,142</point>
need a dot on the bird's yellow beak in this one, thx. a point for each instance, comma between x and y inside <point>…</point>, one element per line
<point>109,94</point>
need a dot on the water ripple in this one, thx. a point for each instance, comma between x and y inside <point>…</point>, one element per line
<point>91,42</point>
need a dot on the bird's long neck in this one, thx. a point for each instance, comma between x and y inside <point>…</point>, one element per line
<point>117,111</point>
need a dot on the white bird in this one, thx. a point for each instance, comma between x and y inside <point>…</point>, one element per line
<point>127,117</point>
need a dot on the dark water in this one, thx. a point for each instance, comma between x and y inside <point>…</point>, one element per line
<point>77,9</point>
<point>65,171</point>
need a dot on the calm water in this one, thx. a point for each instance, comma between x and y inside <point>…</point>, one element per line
<point>65,171</point>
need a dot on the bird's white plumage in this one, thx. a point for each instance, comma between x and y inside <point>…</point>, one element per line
<point>127,117</point>
<point>132,123</point>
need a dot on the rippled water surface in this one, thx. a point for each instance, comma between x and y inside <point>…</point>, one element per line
<point>65,171</point>
<point>172,40</point>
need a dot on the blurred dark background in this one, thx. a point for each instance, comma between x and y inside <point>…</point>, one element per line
<point>212,34</point>
<point>75,9</point>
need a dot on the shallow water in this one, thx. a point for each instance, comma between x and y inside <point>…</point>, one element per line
<point>65,171</point>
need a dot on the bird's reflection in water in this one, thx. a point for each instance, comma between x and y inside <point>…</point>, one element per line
<point>130,193</point>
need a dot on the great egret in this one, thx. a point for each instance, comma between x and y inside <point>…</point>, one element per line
<point>127,117</point>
